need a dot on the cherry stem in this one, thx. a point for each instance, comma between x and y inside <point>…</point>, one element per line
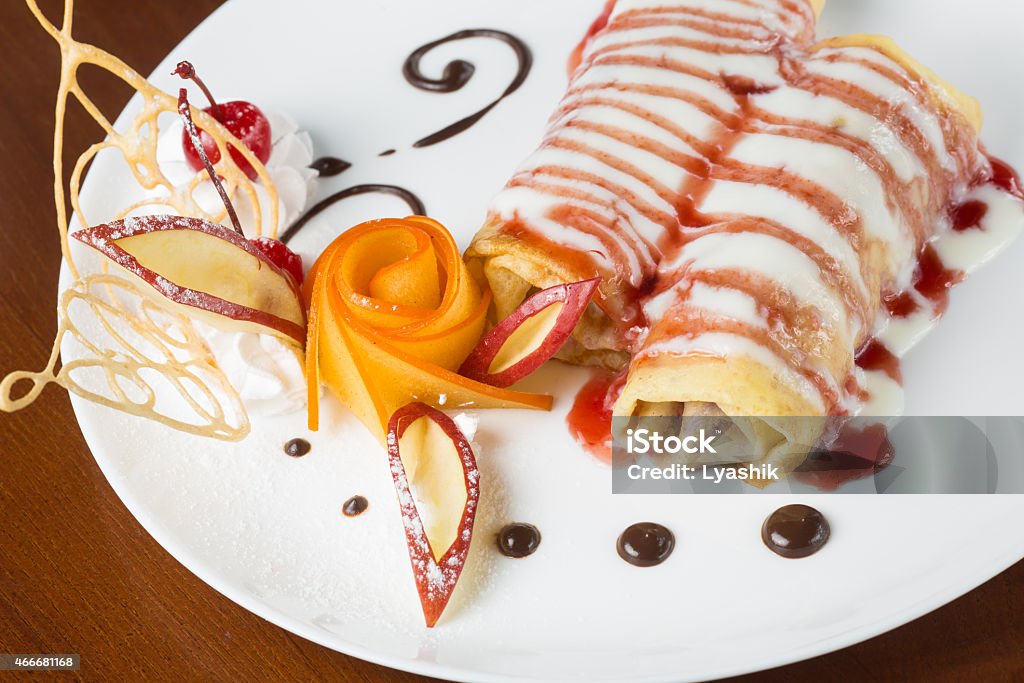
<point>187,71</point>
<point>185,110</point>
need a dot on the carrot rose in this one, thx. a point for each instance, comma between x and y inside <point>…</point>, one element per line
<point>393,313</point>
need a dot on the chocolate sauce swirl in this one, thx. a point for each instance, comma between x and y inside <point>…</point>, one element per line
<point>455,75</point>
<point>458,72</point>
<point>415,204</point>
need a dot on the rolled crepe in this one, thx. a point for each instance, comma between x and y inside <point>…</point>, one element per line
<point>749,198</point>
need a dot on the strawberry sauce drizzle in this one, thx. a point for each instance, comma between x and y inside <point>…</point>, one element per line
<point>576,58</point>
<point>1005,177</point>
<point>968,215</point>
<point>874,356</point>
<point>857,452</point>
<point>919,205</point>
<point>590,418</point>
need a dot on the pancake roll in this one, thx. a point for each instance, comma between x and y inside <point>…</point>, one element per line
<point>751,199</point>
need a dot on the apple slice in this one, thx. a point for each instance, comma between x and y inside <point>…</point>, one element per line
<point>207,267</point>
<point>435,472</point>
<point>530,335</point>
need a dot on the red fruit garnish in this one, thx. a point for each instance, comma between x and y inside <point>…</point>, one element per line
<point>530,335</point>
<point>281,256</point>
<point>438,460</point>
<point>185,112</point>
<point>198,264</point>
<point>275,250</point>
<point>243,119</point>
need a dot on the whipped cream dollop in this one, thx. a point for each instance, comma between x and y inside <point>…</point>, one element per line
<point>264,370</point>
<point>288,167</point>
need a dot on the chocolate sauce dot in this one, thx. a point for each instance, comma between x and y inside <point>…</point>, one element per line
<point>646,544</point>
<point>354,506</point>
<point>386,153</point>
<point>330,166</point>
<point>297,448</point>
<point>795,531</point>
<point>518,539</point>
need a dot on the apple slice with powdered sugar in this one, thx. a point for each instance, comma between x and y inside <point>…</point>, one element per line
<point>438,487</point>
<point>207,267</point>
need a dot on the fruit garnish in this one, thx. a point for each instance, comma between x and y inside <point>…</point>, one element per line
<point>281,256</point>
<point>393,312</point>
<point>275,250</point>
<point>136,142</point>
<point>243,119</point>
<point>530,335</point>
<point>434,469</point>
<point>131,347</point>
<point>207,266</point>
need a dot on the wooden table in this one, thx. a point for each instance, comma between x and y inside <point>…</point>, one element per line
<point>78,573</point>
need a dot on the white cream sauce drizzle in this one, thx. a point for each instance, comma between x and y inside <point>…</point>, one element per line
<point>665,93</point>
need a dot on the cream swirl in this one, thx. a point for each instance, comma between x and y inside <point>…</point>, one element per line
<point>265,371</point>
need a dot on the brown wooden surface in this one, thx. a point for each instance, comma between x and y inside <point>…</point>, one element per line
<point>78,573</point>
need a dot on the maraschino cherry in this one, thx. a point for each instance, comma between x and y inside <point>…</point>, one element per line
<point>275,250</point>
<point>281,256</point>
<point>243,119</point>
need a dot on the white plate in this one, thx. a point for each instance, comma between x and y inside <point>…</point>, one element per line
<point>266,530</point>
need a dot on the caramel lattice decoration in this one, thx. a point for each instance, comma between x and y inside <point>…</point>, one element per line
<point>131,343</point>
<point>145,356</point>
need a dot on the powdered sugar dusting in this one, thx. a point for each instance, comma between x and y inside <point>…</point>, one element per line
<point>435,579</point>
